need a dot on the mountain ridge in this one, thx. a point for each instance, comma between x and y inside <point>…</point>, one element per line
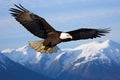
<point>106,54</point>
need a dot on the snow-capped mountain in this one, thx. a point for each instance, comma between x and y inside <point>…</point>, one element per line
<point>9,70</point>
<point>81,62</point>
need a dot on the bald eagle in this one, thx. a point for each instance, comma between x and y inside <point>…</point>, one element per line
<point>39,27</point>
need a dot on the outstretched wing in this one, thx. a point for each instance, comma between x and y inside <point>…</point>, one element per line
<point>85,33</point>
<point>32,22</point>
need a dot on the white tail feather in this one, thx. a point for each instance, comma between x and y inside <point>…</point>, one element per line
<point>38,46</point>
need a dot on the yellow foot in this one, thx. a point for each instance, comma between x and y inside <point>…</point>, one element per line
<point>42,47</point>
<point>48,50</point>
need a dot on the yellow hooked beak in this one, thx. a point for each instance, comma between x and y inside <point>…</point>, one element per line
<point>69,36</point>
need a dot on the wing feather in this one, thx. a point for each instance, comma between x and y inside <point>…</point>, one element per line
<point>32,22</point>
<point>85,33</point>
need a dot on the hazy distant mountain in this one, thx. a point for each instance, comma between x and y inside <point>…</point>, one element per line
<point>91,61</point>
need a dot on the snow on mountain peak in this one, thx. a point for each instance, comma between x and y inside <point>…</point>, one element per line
<point>106,51</point>
<point>7,50</point>
<point>21,55</point>
<point>23,48</point>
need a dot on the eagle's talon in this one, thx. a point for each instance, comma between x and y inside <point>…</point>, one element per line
<point>48,49</point>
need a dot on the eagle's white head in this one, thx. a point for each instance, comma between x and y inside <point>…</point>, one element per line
<point>64,35</point>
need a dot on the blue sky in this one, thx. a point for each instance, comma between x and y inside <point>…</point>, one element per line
<point>63,15</point>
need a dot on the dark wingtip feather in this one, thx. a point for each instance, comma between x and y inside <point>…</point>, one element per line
<point>23,7</point>
<point>15,10</point>
<point>14,15</point>
<point>19,6</point>
<point>18,10</point>
<point>103,31</point>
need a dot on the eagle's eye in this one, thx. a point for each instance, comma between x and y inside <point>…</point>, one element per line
<point>68,35</point>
